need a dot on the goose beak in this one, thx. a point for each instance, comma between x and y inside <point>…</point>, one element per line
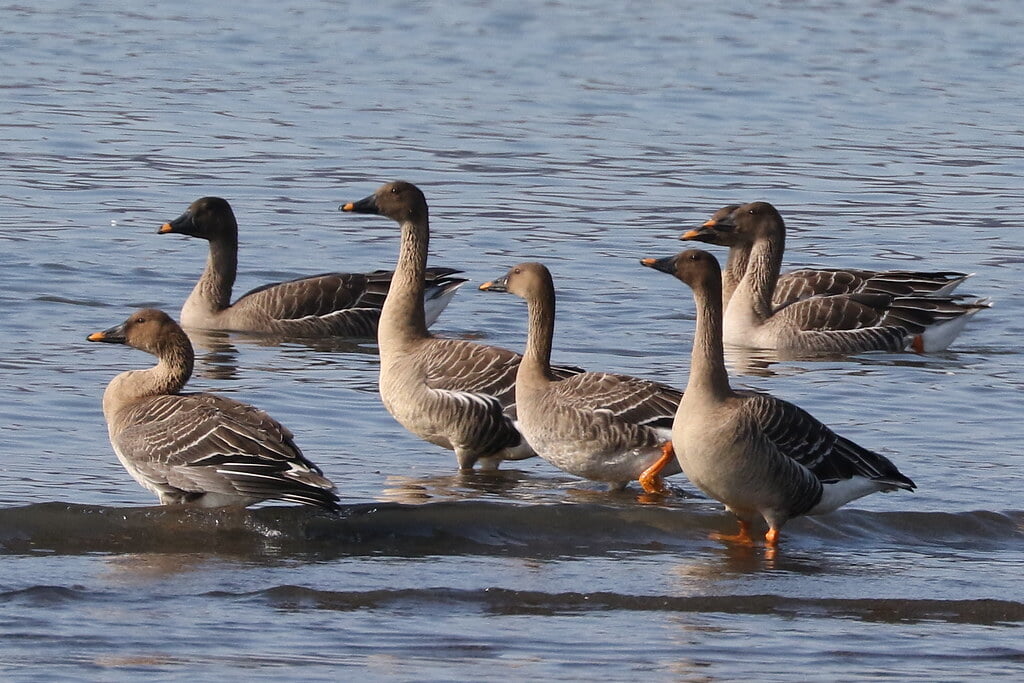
<point>182,224</point>
<point>665,265</point>
<point>693,234</point>
<point>365,205</point>
<point>498,285</point>
<point>113,335</point>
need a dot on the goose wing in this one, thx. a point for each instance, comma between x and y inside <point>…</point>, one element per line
<point>201,443</point>
<point>836,312</point>
<point>327,293</point>
<point>460,365</point>
<point>912,283</point>
<point>628,399</point>
<point>796,434</point>
<point>917,313</point>
<point>807,282</point>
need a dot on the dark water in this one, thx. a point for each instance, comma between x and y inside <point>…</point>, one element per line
<point>888,134</point>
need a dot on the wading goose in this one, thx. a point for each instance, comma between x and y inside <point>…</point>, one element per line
<point>601,426</point>
<point>450,392</point>
<point>327,305</point>
<point>759,455</point>
<point>807,282</point>
<point>843,323</point>
<point>198,449</point>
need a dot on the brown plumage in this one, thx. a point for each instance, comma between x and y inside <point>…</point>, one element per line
<point>198,448</point>
<point>325,305</point>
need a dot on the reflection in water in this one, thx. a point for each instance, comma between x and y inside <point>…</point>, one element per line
<point>458,486</point>
<point>523,487</point>
<point>217,353</point>
<point>145,567</point>
<point>216,356</point>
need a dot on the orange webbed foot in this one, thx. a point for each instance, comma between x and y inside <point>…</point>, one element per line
<point>651,478</point>
<point>743,537</point>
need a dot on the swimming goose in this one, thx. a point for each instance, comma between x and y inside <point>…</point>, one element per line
<point>759,455</point>
<point>847,323</point>
<point>601,426</point>
<point>453,393</point>
<point>326,305</point>
<point>198,449</point>
<point>807,282</point>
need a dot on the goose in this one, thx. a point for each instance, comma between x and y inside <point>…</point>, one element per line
<point>326,305</point>
<point>198,449</point>
<point>453,393</point>
<point>842,323</point>
<point>600,426</point>
<point>807,282</point>
<point>759,455</point>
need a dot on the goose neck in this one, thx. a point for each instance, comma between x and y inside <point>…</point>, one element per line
<point>735,268</point>
<point>539,336</point>
<point>218,278</point>
<point>762,274</point>
<point>402,317</point>
<point>708,374</point>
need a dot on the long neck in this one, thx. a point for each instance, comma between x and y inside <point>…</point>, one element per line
<point>540,331</point>
<point>758,283</point>
<point>735,267</point>
<point>214,286</point>
<point>707,360</point>
<point>402,317</point>
<point>168,376</point>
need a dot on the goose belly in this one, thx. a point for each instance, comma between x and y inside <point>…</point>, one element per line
<point>734,471</point>
<point>592,462</point>
<point>408,400</point>
<point>597,449</point>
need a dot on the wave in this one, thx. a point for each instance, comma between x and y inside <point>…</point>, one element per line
<point>466,527</point>
<point>509,602</point>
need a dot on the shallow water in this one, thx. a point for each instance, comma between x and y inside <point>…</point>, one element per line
<point>887,134</point>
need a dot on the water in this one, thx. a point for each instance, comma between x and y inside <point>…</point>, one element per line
<point>887,134</point>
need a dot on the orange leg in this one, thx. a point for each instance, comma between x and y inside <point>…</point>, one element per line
<point>771,539</point>
<point>743,537</point>
<point>650,478</point>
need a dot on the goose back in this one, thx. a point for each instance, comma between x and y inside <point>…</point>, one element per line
<point>449,392</point>
<point>198,448</point>
<point>328,304</point>
<point>842,323</point>
<point>804,283</point>
<point>601,426</point>
<point>759,455</point>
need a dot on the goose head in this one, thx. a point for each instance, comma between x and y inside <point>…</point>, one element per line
<point>743,225</point>
<point>149,330</point>
<point>719,229</point>
<point>695,267</point>
<point>210,218</point>
<point>528,281</point>
<point>399,200</point>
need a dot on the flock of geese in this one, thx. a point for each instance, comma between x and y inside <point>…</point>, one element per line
<point>762,457</point>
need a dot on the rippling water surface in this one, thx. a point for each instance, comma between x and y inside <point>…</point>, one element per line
<point>585,136</point>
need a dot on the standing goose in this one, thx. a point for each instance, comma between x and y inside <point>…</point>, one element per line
<point>198,449</point>
<point>450,392</point>
<point>759,455</point>
<point>327,305</point>
<point>846,323</point>
<point>601,426</point>
<point>799,284</point>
